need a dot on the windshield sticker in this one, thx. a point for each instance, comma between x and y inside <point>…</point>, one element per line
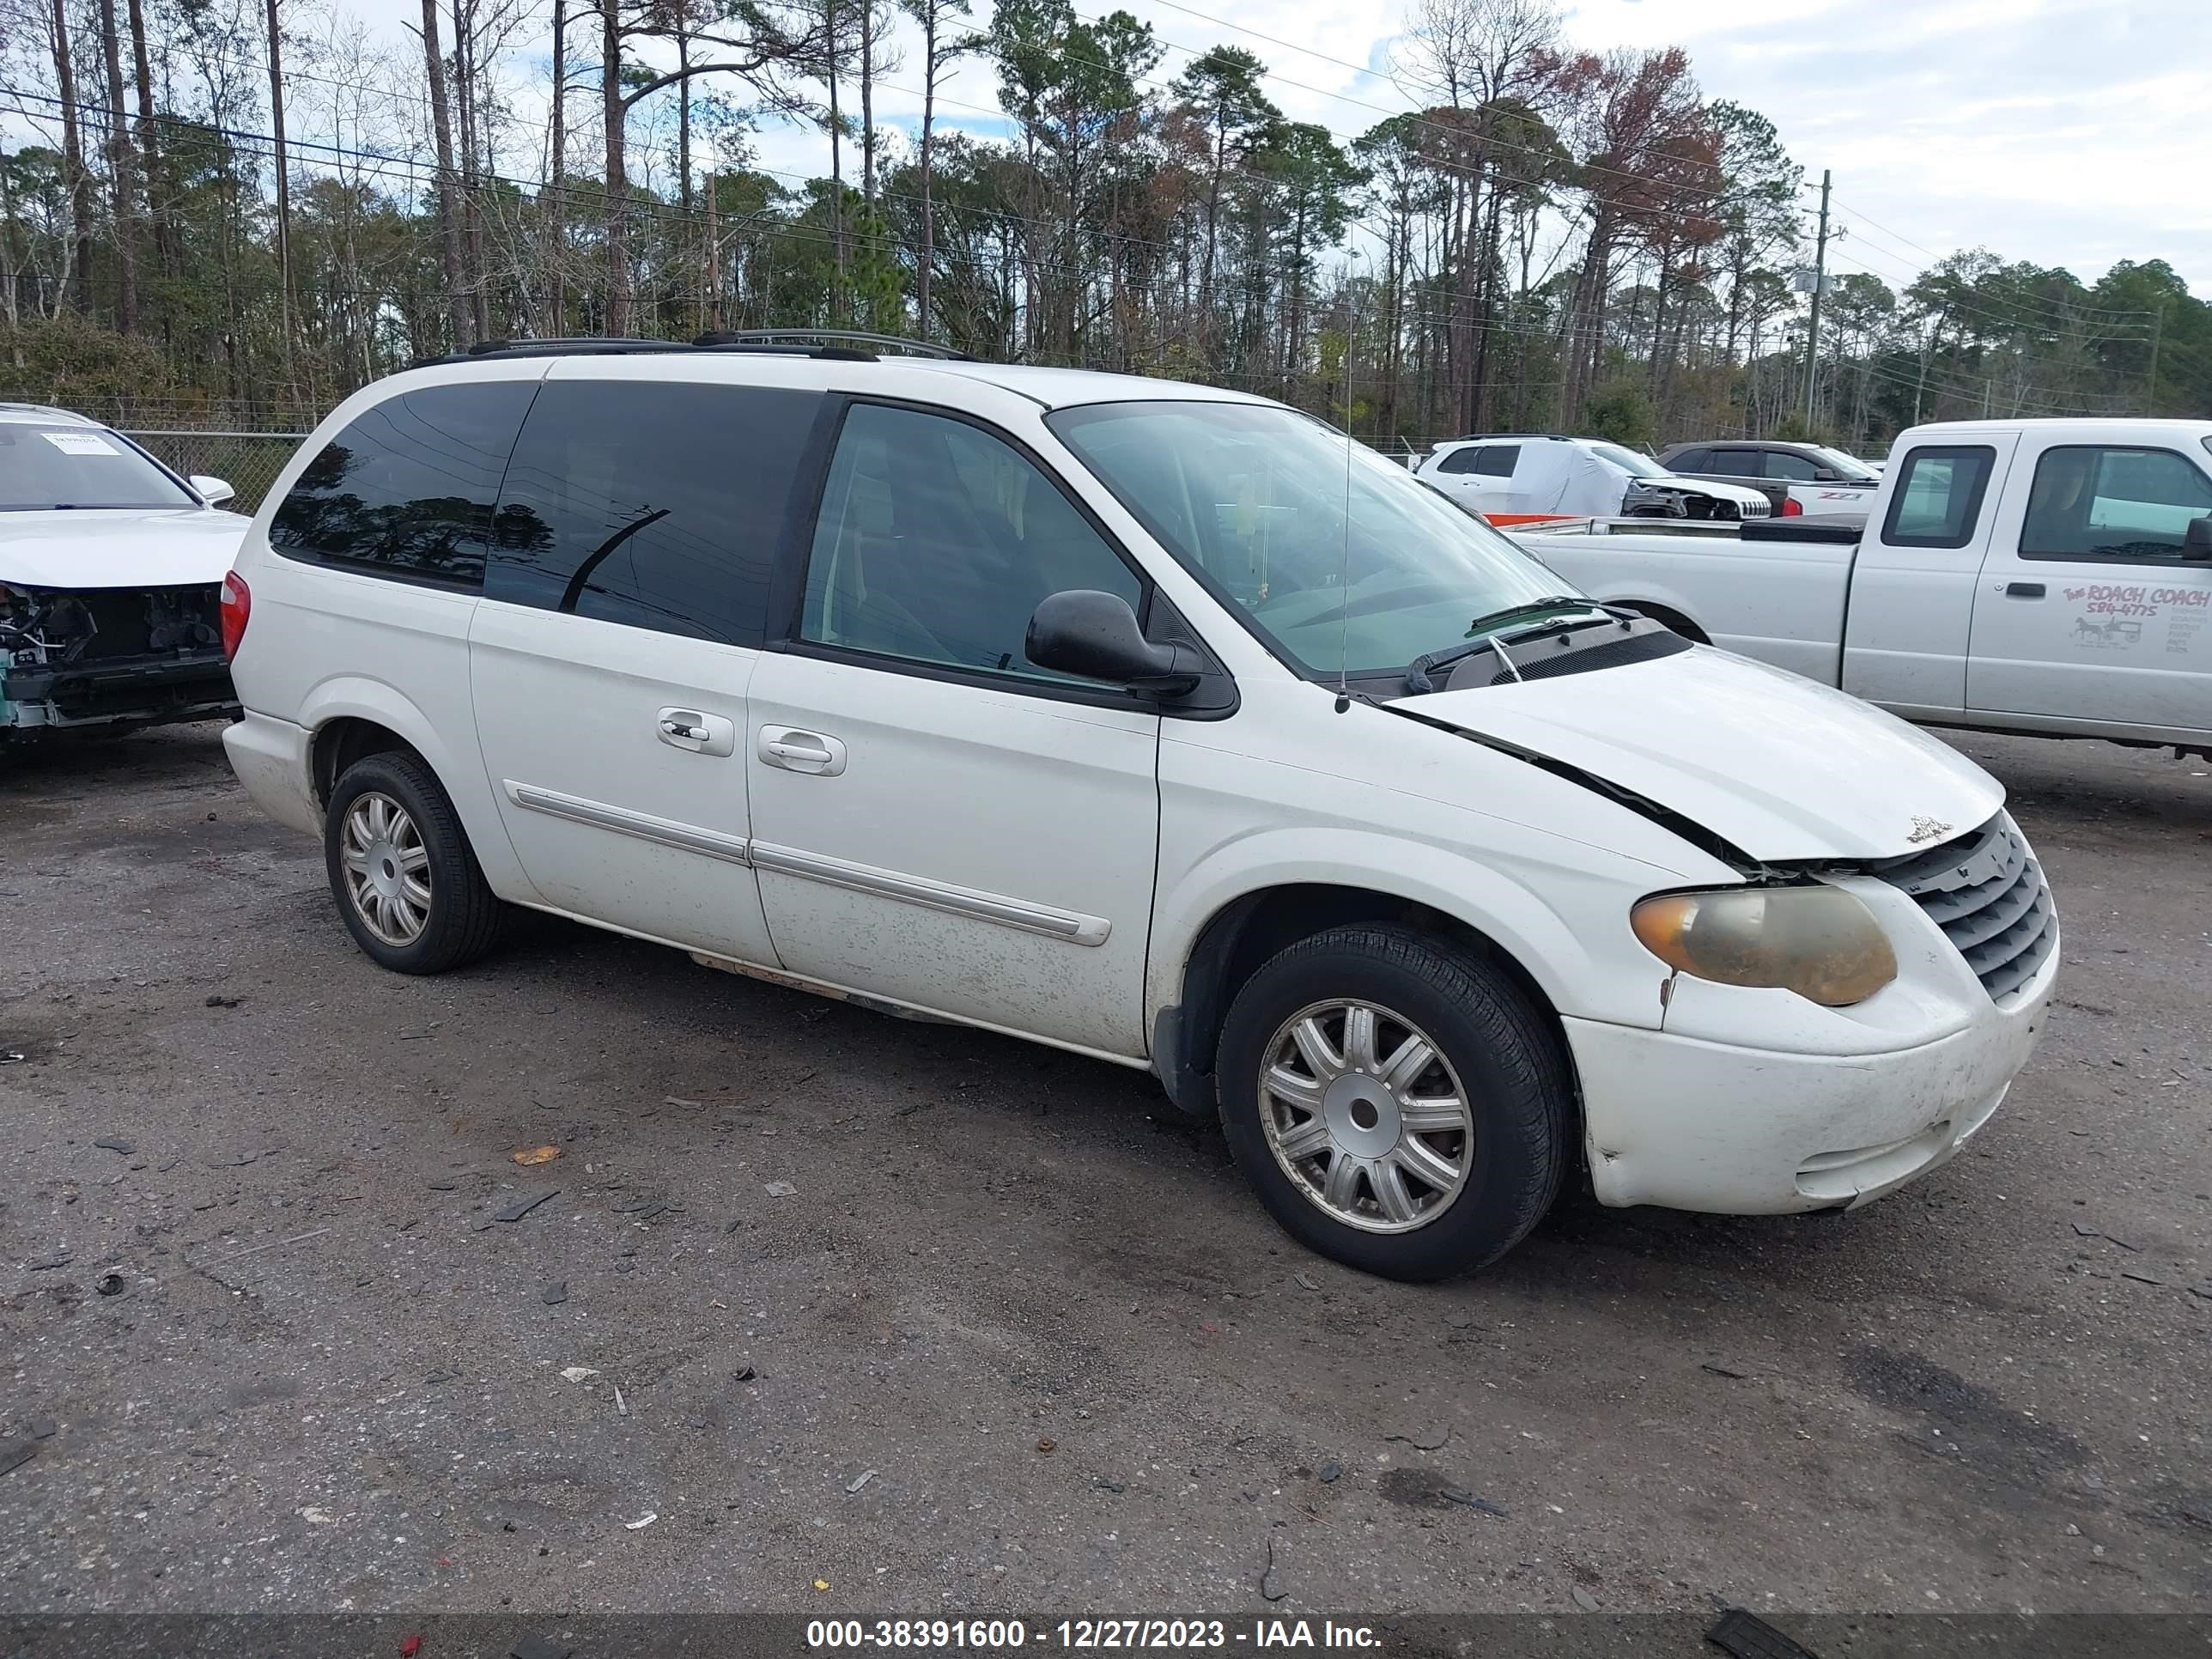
<point>2113,615</point>
<point>80,443</point>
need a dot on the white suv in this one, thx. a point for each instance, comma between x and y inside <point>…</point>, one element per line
<point>1155,722</point>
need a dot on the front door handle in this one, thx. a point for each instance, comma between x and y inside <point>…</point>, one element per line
<point>2023,590</point>
<point>797,750</point>
<point>697,731</point>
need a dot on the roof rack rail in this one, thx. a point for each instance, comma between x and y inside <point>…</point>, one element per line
<point>600,346</point>
<point>844,336</point>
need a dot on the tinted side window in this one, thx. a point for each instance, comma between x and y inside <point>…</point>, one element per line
<point>656,504</point>
<point>1497,461</point>
<point>1780,464</point>
<point>406,490</point>
<point>1733,463</point>
<point>936,541</point>
<point>2106,502</point>
<point>1691,460</point>
<point>1459,460</point>
<point>1937,496</point>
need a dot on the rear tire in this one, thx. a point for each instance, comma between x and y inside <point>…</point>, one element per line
<point>406,883</point>
<point>1418,1138</point>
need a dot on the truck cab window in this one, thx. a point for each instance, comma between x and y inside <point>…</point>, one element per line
<point>1937,498</point>
<point>2109,501</point>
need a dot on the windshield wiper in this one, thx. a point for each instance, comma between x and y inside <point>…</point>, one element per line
<point>1417,671</point>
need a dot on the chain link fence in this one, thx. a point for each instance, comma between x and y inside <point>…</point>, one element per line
<point>247,461</point>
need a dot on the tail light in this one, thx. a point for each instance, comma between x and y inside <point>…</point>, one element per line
<point>1792,508</point>
<point>237,606</point>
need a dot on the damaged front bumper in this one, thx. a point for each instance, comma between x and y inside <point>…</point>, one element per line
<point>109,660</point>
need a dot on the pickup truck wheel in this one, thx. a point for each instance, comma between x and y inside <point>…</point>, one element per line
<point>401,869</point>
<point>1397,1102</point>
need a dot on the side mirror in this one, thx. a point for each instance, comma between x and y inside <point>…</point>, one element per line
<point>213,491</point>
<point>2196,539</point>
<point>1826,475</point>
<point>1095,635</point>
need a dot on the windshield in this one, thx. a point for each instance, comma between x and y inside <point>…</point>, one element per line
<point>1253,497</point>
<point>52,466</point>
<point>1628,461</point>
<point>1848,465</point>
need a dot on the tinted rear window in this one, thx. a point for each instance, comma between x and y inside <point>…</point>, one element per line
<point>651,504</point>
<point>406,490</point>
<point>1937,496</point>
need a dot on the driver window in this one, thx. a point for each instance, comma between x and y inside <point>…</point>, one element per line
<point>936,541</point>
<point>2107,501</point>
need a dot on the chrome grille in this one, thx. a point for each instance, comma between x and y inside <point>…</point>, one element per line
<point>1987,893</point>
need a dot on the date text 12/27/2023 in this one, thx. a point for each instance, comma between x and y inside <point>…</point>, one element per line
<point>1085,1635</point>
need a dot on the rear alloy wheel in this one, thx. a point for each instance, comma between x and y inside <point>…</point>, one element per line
<point>401,869</point>
<point>1396,1100</point>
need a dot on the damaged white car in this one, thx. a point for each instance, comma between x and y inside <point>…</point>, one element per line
<point>1155,722</point>
<point>111,578</point>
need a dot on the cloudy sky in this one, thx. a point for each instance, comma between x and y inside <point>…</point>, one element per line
<point>2070,132</point>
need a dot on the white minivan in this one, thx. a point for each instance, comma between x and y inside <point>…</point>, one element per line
<point>1153,721</point>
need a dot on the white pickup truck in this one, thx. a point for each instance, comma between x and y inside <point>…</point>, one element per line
<point>2047,576</point>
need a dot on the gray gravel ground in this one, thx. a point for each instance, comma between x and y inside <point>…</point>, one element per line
<point>1019,1340</point>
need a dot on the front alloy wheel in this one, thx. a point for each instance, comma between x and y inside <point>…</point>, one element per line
<point>1396,1099</point>
<point>1366,1116</point>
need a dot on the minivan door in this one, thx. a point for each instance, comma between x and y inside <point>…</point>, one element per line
<point>2089,609</point>
<point>621,622</point>
<point>936,820</point>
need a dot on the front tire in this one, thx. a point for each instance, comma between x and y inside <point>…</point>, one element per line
<point>406,882</point>
<point>1398,1102</point>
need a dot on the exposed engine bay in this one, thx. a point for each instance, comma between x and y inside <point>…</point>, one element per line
<point>110,659</point>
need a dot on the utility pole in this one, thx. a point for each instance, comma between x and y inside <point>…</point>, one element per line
<point>1820,282</point>
<point>2151,390</point>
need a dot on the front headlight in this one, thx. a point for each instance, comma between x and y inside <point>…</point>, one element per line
<point>1818,941</point>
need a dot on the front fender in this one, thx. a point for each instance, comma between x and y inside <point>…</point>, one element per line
<point>1574,944</point>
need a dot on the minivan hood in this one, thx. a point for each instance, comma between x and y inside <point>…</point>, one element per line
<point>1780,767</point>
<point>118,547</point>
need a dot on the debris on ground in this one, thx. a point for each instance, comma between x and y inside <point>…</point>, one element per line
<point>1420,1442</point>
<point>2086,1231</point>
<point>116,1144</point>
<point>2143,1279</point>
<point>1331,1474</point>
<point>578,1374</point>
<point>530,1155</point>
<point>41,1428</point>
<point>822,1584</point>
<point>47,1264</point>
<point>1267,1591</point>
<point>1466,1499</point>
<point>555,1294</point>
<point>521,1207</point>
<point>782,1190</point>
<point>317,1517</point>
<point>641,1523</point>
<point>1584,1599</point>
<point>14,1457</point>
<point>622,1406</point>
<point>1747,1636</point>
<point>1725,1371</point>
<point>411,1647</point>
<point>218,1000</point>
<point>1304,1282</point>
<point>744,1374</point>
<point>1046,1443</point>
<point>860,1480</point>
<point>110,1284</point>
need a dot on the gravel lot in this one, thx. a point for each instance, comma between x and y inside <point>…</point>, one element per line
<point>1019,1340</point>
